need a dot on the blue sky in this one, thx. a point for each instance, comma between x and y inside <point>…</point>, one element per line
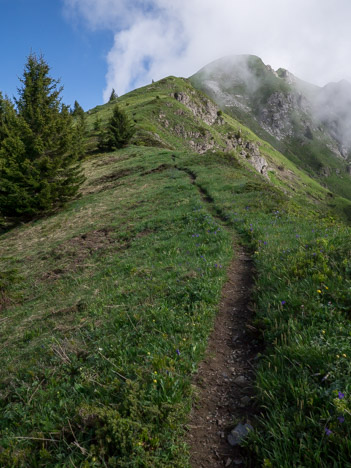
<point>97,45</point>
<point>75,54</point>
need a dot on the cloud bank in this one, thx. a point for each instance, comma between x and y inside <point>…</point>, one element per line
<point>157,38</point>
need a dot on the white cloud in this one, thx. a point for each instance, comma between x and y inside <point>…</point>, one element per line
<point>156,38</point>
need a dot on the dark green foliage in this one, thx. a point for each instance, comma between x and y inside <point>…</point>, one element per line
<point>38,146</point>
<point>118,133</point>
<point>97,124</point>
<point>78,110</point>
<point>79,136</point>
<point>113,96</point>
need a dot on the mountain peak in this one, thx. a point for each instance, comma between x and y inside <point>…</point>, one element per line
<point>307,122</point>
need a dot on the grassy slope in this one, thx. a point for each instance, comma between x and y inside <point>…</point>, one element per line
<point>115,297</point>
<point>303,300</point>
<point>89,345</point>
<point>145,105</point>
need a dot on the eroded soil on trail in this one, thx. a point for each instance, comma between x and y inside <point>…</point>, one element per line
<point>224,380</point>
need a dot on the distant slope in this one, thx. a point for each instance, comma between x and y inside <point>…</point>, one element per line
<point>288,113</point>
<point>172,114</point>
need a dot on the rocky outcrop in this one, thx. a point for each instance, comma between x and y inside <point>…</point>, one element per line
<point>225,99</point>
<point>252,153</point>
<point>249,151</point>
<point>200,139</point>
<point>275,117</point>
<point>205,110</point>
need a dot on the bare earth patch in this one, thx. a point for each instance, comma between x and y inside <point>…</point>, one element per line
<point>73,253</point>
<point>225,377</point>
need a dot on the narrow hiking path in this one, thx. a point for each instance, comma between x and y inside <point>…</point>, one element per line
<point>224,381</point>
<point>225,377</point>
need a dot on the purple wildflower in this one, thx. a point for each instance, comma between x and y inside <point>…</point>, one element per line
<point>283,302</point>
<point>328,431</point>
<point>341,419</point>
<point>341,395</point>
<point>178,352</point>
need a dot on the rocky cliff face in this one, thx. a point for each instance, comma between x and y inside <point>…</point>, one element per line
<point>199,137</point>
<point>203,109</point>
<point>309,124</point>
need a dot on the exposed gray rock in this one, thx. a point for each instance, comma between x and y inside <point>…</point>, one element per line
<point>275,116</point>
<point>254,157</point>
<point>241,381</point>
<point>251,153</point>
<point>239,433</point>
<point>212,88</point>
<point>204,109</point>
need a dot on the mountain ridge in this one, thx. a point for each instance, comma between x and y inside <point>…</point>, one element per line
<point>288,112</point>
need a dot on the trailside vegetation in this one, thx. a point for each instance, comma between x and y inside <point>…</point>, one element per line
<point>39,146</point>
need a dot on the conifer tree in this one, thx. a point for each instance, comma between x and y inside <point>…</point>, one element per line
<point>97,124</point>
<point>78,110</point>
<point>113,96</point>
<point>80,125</point>
<point>79,136</point>
<point>37,146</point>
<point>119,129</point>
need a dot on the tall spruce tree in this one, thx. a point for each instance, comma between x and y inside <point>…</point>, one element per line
<point>38,170</point>
<point>78,110</point>
<point>119,129</point>
<point>80,124</point>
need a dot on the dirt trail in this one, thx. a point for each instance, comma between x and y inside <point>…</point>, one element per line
<point>225,377</point>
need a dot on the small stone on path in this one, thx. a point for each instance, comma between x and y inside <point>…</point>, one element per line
<point>241,380</point>
<point>239,433</point>
<point>244,401</point>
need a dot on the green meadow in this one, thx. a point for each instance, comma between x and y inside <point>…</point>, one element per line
<point>107,305</point>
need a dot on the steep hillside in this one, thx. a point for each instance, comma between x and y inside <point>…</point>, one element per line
<point>171,114</point>
<point>310,125</point>
<point>107,305</point>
